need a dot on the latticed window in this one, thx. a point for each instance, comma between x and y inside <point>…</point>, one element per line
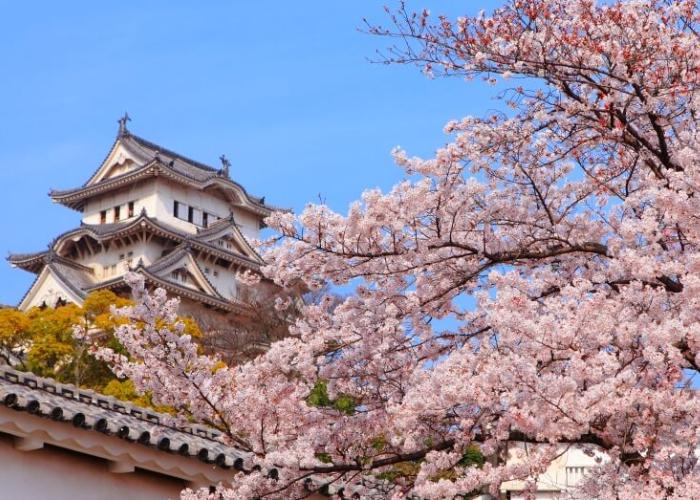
<point>574,475</point>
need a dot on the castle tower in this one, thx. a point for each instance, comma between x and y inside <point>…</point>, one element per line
<point>185,226</point>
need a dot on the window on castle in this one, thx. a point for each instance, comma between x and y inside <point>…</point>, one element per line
<point>103,217</point>
<point>109,270</point>
<point>190,214</point>
<point>176,208</point>
<point>206,270</point>
<point>130,209</point>
<point>179,275</point>
<point>205,219</point>
<point>117,211</point>
<point>574,475</point>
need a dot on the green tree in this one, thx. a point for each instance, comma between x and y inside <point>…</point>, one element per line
<point>42,341</point>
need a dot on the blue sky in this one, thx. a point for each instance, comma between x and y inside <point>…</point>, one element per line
<point>284,89</point>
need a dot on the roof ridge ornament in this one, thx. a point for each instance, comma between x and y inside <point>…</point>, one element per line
<point>122,124</point>
<point>225,166</point>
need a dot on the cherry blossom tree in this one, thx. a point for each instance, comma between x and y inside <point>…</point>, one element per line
<point>572,223</point>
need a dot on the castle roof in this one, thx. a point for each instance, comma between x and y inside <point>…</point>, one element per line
<point>64,414</point>
<point>221,245</point>
<point>201,241</point>
<point>154,160</point>
<point>81,280</point>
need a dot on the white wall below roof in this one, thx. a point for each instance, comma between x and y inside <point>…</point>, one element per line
<point>148,252</point>
<point>248,223</point>
<point>167,192</point>
<point>143,194</point>
<point>224,281</point>
<point>57,473</point>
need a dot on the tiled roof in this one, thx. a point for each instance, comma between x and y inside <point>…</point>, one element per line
<point>181,163</point>
<point>24,257</point>
<point>34,262</point>
<point>95,412</point>
<point>76,279</point>
<point>173,287</point>
<point>81,280</point>
<point>155,155</point>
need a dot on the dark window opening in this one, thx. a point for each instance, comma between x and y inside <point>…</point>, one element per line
<point>190,214</point>
<point>117,211</point>
<point>130,209</point>
<point>103,217</point>
<point>176,208</point>
<point>205,219</point>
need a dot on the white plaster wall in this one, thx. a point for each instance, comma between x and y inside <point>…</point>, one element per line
<point>168,192</point>
<point>143,194</point>
<point>225,282</point>
<point>149,252</point>
<point>60,474</point>
<point>249,223</point>
<point>157,197</point>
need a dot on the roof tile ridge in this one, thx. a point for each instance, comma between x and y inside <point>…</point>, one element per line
<point>103,182</point>
<point>161,261</point>
<point>26,255</point>
<point>71,263</point>
<point>114,145</point>
<point>184,290</point>
<point>169,152</point>
<point>69,283</point>
<point>98,400</point>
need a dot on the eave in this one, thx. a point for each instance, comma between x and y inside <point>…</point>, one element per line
<point>76,198</point>
<point>148,224</point>
<point>173,288</point>
<point>35,262</point>
<point>40,410</point>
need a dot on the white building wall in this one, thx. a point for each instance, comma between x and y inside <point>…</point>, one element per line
<point>248,223</point>
<point>55,473</point>
<point>102,261</point>
<point>143,194</point>
<point>221,278</point>
<point>564,473</point>
<point>202,201</point>
<point>169,192</point>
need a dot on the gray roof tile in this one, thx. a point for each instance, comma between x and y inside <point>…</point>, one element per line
<point>90,410</point>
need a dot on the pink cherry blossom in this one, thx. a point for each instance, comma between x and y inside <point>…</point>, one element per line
<point>537,280</point>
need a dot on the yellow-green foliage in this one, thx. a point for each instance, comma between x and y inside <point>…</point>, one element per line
<point>43,341</point>
<point>13,330</point>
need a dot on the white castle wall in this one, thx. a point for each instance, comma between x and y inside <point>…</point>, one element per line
<point>221,278</point>
<point>143,194</point>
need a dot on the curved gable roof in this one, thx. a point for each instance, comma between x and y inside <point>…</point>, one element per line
<point>154,159</point>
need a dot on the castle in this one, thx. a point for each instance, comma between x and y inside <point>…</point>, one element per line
<point>185,226</point>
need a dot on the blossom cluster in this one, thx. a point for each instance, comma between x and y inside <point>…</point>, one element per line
<point>537,280</point>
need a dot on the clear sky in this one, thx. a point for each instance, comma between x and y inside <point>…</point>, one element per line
<point>284,89</point>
